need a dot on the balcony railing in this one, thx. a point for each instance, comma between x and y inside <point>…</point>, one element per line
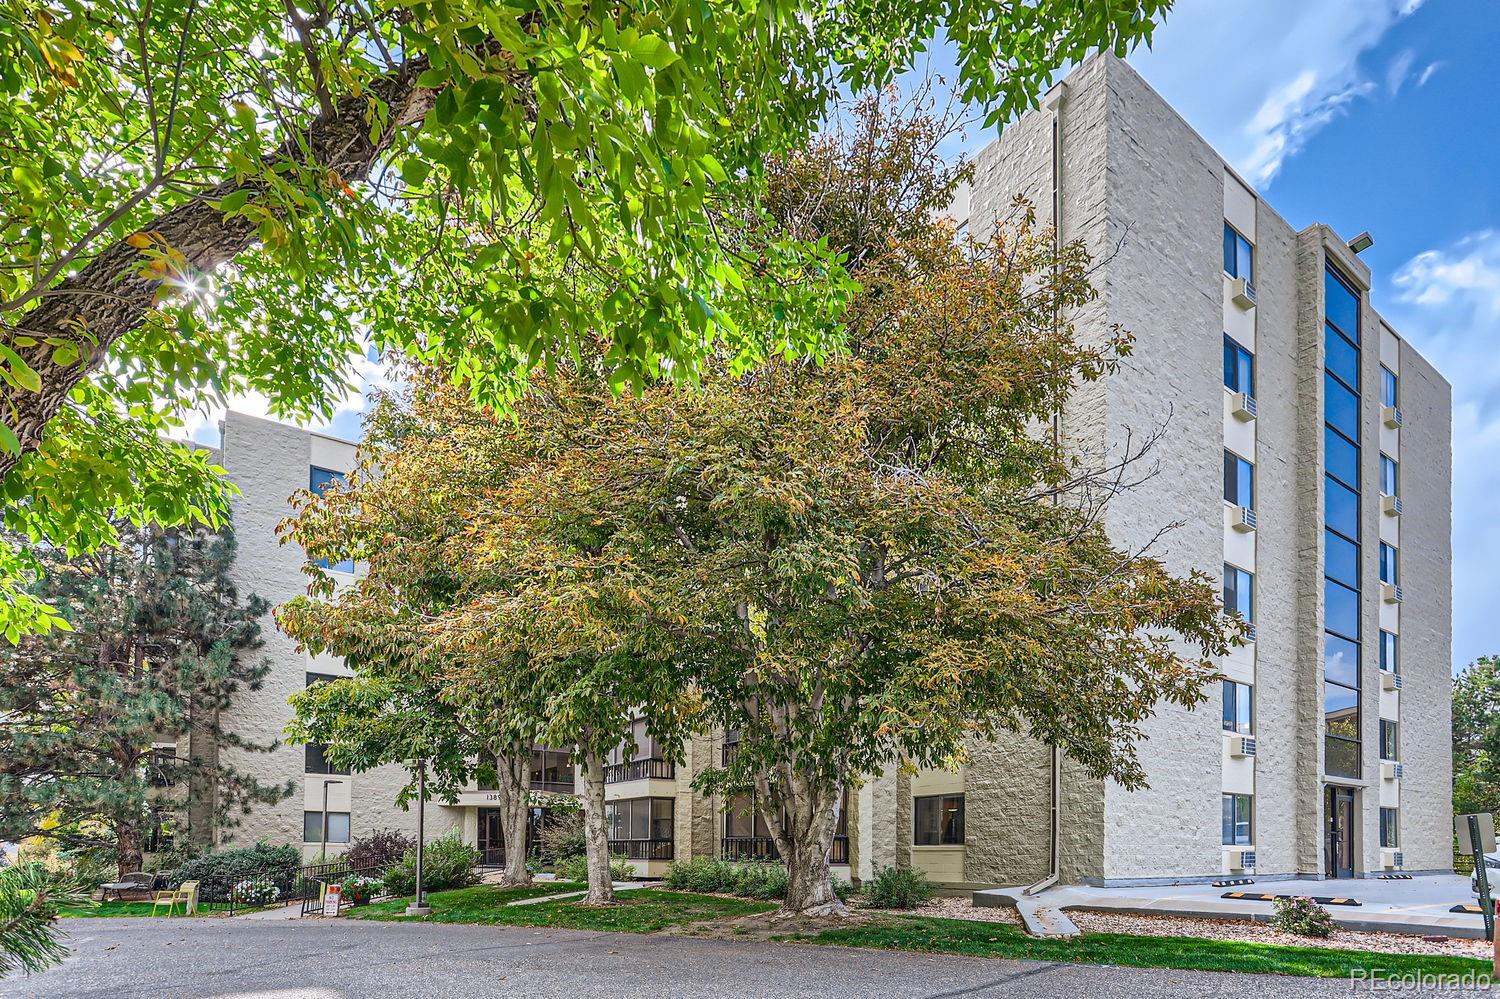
<point>764,848</point>
<point>554,786</point>
<point>616,773</point>
<point>642,849</point>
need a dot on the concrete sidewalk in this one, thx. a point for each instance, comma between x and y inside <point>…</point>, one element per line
<point>1419,906</point>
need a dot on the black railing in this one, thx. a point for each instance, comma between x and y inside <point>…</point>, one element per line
<point>764,848</point>
<point>312,879</point>
<point>615,773</point>
<point>554,786</point>
<point>642,849</point>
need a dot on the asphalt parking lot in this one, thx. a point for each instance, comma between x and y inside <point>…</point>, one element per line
<point>342,959</point>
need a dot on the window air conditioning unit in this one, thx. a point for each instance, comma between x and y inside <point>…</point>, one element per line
<point>1242,519</point>
<point>1242,746</point>
<point>1390,857</point>
<point>1390,681</point>
<point>1390,593</point>
<point>1391,505</point>
<point>1391,417</point>
<point>1243,293</point>
<point>1241,858</point>
<point>1391,770</point>
<point>1243,406</point>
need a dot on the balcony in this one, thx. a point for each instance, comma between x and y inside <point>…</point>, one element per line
<point>642,849</point>
<point>618,773</point>
<point>764,848</point>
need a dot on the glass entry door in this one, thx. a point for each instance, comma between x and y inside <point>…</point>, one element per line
<point>1338,822</point>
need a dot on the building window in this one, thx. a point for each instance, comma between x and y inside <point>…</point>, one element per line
<point>1239,367</point>
<point>551,770</point>
<point>1389,387</point>
<point>313,679</point>
<point>1239,255</point>
<point>1390,570</point>
<point>938,820</point>
<point>1388,744</point>
<point>1389,837</point>
<point>315,760</point>
<point>1238,826</point>
<point>1389,659</point>
<point>1239,710</point>
<point>319,479</point>
<point>312,827</point>
<point>161,831</point>
<point>1239,591</point>
<point>1388,482</point>
<point>1341,521</point>
<point>641,828</point>
<point>1239,480</point>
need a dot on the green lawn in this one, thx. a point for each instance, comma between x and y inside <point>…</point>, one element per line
<point>115,907</point>
<point>639,910</point>
<point>979,939</point>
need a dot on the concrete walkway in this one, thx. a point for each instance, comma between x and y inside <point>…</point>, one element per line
<point>1418,906</point>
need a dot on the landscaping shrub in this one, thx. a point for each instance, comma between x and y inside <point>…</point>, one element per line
<point>898,888</point>
<point>749,878</point>
<point>448,862</point>
<point>358,889</point>
<point>577,868</point>
<point>254,891</point>
<point>1302,916</point>
<point>561,838</point>
<point>217,874</point>
<point>380,849</point>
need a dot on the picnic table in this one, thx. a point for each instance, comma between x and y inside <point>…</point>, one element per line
<point>118,887</point>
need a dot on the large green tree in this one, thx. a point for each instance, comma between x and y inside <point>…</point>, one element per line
<point>202,197</point>
<point>160,642</point>
<point>1476,737</point>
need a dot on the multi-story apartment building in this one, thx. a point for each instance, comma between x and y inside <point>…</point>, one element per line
<point>1304,455</point>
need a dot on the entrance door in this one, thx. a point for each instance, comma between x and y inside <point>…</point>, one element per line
<point>491,838</point>
<point>1338,821</point>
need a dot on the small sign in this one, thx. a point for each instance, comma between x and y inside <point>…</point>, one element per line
<point>331,899</point>
<point>1486,834</point>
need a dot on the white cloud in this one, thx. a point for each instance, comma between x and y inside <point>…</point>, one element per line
<point>1397,72</point>
<point>1448,304</point>
<point>1259,78</point>
<point>1432,67</point>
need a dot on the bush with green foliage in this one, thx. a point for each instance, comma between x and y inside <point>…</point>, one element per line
<point>379,849</point>
<point>448,862</point>
<point>576,868</point>
<point>1302,916</point>
<point>898,888</point>
<point>218,873</point>
<point>749,878</point>
<point>561,838</point>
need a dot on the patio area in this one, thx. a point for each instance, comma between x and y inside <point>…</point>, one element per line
<point>1420,905</point>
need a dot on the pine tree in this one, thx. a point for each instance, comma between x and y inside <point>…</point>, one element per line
<point>109,732</point>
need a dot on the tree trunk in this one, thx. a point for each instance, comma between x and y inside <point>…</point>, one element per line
<point>514,772</point>
<point>128,855</point>
<point>106,299</point>
<point>595,832</point>
<point>804,842</point>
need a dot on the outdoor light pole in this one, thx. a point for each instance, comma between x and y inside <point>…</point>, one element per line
<point>419,906</point>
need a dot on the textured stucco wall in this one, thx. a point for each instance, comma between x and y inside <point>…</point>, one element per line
<point>269,462</point>
<point>1426,615</point>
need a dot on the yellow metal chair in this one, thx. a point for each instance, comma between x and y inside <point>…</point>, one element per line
<point>187,895</point>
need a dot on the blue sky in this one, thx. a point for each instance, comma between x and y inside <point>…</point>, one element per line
<point>1364,114</point>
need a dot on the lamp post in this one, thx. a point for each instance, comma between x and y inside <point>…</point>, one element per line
<point>419,906</point>
<point>323,848</point>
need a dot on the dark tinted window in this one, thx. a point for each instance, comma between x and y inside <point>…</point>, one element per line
<point>1389,394</point>
<point>1341,407</point>
<point>1341,559</point>
<point>1239,255</point>
<point>1341,458</point>
<point>1340,659</point>
<point>1343,357</point>
<point>938,820</point>
<point>1388,470</point>
<point>1239,367</point>
<point>1340,609</point>
<point>1239,480</point>
<point>1341,306</point>
<point>1340,508</point>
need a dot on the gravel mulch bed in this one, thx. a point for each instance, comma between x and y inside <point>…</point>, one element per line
<point>1235,929</point>
<point>962,908</point>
